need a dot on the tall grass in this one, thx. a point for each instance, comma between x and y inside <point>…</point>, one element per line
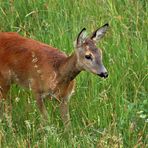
<point>104,113</point>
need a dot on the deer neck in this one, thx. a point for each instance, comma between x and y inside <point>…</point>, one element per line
<point>70,69</point>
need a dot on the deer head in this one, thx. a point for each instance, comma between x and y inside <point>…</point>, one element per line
<point>89,57</point>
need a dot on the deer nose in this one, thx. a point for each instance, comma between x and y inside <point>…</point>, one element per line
<point>103,74</point>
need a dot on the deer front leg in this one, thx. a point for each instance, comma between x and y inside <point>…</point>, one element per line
<point>40,103</point>
<point>64,111</point>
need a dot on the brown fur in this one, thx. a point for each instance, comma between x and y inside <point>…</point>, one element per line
<point>36,65</point>
<point>46,70</point>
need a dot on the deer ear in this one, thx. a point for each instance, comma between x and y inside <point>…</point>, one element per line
<point>99,33</point>
<point>81,37</point>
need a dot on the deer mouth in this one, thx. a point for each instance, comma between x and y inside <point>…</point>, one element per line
<point>103,75</point>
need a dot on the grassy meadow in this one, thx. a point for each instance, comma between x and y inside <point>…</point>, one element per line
<point>110,113</point>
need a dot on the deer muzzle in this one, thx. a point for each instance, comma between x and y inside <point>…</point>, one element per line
<point>103,75</point>
<point>102,72</point>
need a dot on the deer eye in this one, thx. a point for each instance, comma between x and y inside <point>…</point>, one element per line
<point>88,57</point>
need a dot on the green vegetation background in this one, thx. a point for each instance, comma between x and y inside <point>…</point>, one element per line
<point>104,113</point>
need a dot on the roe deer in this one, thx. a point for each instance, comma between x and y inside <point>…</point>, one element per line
<point>46,70</point>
